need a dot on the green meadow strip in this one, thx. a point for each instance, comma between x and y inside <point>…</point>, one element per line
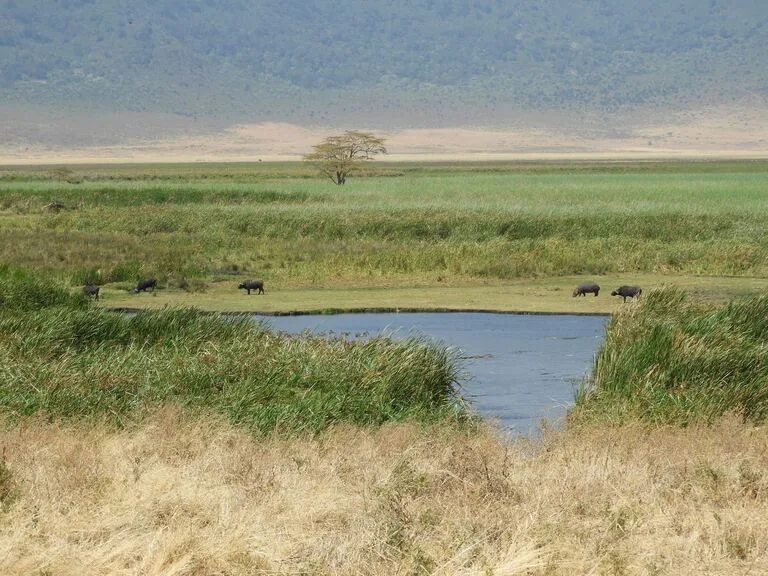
<point>475,221</point>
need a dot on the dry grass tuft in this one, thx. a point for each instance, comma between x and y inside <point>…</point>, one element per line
<point>197,496</point>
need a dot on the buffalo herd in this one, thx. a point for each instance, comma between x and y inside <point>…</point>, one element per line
<point>623,291</point>
<point>258,285</point>
<point>92,290</point>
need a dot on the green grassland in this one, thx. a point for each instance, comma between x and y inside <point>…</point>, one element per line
<point>467,236</point>
<point>519,231</point>
<point>530,295</point>
<point>158,424</point>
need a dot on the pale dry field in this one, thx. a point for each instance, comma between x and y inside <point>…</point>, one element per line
<point>194,496</point>
<point>41,137</point>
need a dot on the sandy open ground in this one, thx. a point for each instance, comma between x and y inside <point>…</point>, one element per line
<point>737,132</point>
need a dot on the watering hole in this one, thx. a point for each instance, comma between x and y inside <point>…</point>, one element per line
<point>519,369</point>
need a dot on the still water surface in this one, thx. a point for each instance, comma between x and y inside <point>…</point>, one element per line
<point>520,368</point>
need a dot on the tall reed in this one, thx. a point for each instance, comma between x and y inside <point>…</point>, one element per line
<point>476,221</point>
<point>69,360</point>
<point>671,360</point>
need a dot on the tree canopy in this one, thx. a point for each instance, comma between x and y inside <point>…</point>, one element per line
<point>340,155</point>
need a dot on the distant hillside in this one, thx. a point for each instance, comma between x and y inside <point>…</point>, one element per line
<point>310,59</point>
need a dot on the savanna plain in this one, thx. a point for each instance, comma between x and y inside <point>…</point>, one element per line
<point>175,440</point>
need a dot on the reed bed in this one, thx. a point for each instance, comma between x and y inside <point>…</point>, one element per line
<point>669,359</point>
<point>474,222</point>
<point>72,361</point>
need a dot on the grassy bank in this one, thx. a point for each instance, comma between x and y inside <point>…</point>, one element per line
<point>536,295</point>
<point>675,360</point>
<point>66,359</point>
<point>401,225</point>
<point>188,497</point>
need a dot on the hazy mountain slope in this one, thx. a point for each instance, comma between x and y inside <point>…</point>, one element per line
<point>271,59</point>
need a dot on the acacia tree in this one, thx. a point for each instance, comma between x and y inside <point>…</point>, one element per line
<point>338,156</point>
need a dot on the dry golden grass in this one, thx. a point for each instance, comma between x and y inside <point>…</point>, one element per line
<point>195,496</point>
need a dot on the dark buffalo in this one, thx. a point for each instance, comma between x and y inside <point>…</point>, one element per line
<point>627,292</point>
<point>91,290</point>
<point>145,285</point>
<point>253,285</point>
<point>584,289</point>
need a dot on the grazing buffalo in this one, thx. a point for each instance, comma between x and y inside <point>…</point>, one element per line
<point>55,207</point>
<point>627,292</point>
<point>249,285</point>
<point>144,285</point>
<point>584,289</point>
<point>91,290</point>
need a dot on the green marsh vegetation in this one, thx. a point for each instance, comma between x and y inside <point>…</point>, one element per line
<point>399,224</point>
<point>395,498</point>
<point>61,357</point>
<point>673,360</point>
